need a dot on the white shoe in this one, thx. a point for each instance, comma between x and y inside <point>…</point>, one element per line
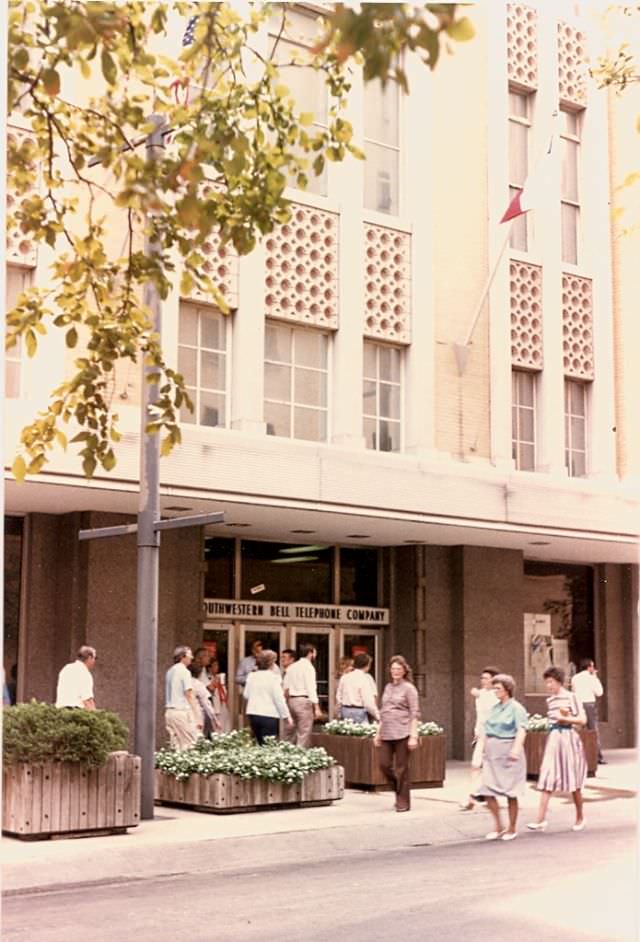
<point>538,825</point>
<point>509,836</point>
<point>493,835</point>
<point>579,827</point>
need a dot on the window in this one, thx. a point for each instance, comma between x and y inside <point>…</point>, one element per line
<point>519,131</point>
<point>288,572</point>
<point>382,147</point>
<point>18,280</point>
<point>295,382</point>
<point>202,360</point>
<point>523,420</point>
<point>570,193</point>
<point>291,44</point>
<point>382,396</point>
<point>575,428</point>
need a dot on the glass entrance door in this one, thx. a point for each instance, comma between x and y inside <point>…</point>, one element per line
<point>272,638</point>
<point>320,638</point>
<point>354,642</point>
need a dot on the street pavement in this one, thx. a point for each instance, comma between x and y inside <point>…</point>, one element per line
<point>354,868</point>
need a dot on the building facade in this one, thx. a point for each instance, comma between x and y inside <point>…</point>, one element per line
<point>418,422</point>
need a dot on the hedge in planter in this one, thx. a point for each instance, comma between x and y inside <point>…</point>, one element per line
<point>351,744</point>
<point>229,773</point>
<point>64,772</point>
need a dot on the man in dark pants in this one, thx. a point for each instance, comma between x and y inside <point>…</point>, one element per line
<point>587,688</point>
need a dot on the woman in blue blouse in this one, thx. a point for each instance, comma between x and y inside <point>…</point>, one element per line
<point>504,767</point>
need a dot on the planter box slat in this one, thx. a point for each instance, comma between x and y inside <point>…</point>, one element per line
<point>360,760</point>
<point>534,750</point>
<point>230,793</point>
<point>66,798</point>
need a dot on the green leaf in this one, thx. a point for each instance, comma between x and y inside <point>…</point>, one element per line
<point>109,461</point>
<point>72,337</point>
<point>51,82</point>
<point>89,466</point>
<point>30,342</point>
<point>61,438</point>
<point>462,30</point>
<point>167,446</point>
<point>19,469</point>
<point>109,69</point>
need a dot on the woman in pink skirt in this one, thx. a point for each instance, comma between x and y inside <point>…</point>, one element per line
<point>564,767</point>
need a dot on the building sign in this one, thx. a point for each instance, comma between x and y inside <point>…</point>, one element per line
<point>297,612</point>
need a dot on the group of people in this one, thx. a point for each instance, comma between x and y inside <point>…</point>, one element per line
<point>197,705</point>
<point>498,761</point>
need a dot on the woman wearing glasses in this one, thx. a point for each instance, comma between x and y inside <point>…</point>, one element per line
<point>504,767</point>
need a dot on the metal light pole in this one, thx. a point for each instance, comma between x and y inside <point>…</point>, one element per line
<point>148,536</point>
<point>148,529</point>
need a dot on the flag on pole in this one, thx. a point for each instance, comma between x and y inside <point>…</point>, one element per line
<point>179,86</point>
<point>532,193</point>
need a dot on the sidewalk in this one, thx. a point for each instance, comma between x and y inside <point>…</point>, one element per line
<point>179,841</point>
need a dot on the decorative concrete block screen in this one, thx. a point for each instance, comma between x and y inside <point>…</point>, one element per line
<point>302,268</point>
<point>577,327</point>
<point>387,284</point>
<point>526,315</point>
<point>572,66</point>
<point>522,45</point>
<point>221,265</point>
<point>21,249</point>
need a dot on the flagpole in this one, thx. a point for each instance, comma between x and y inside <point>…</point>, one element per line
<point>461,350</point>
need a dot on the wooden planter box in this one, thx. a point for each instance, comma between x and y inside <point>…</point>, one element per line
<point>360,760</point>
<point>534,750</point>
<point>223,794</point>
<point>42,801</point>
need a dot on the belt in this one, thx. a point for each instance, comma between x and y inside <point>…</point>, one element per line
<point>298,696</point>
<point>559,727</point>
<point>352,706</point>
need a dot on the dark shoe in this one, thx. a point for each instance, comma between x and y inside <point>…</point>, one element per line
<point>403,808</point>
<point>602,762</point>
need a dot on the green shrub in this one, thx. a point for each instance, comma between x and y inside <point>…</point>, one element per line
<point>38,732</point>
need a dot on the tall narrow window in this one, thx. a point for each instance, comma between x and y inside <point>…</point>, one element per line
<point>202,360</point>
<point>382,396</point>
<point>519,131</point>
<point>18,280</point>
<point>575,428</point>
<point>296,374</point>
<point>382,147</point>
<point>292,34</point>
<point>523,419</point>
<point>570,192</point>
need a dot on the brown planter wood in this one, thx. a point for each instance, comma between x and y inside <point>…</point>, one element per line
<point>224,794</point>
<point>534,750</point>
<point>40,801</point>
<point>360,760</point>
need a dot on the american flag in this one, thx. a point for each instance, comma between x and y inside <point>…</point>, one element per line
<point>189,33</point>
<point>180,86</point>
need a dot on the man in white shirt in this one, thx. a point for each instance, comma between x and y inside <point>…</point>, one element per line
<point>302,696</point>
<point>356,694</point>
<point>182,717</point>
<point>75,683</point>
<point>587,687</point>
<point>485,699</point>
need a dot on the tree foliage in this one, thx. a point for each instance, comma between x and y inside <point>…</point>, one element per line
<point>237,140</point>
<point>619,70</point>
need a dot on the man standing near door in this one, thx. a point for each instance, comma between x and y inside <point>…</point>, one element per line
<point>302,695</point>
<point>588,688</point>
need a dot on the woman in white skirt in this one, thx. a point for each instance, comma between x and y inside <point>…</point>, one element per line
<point>504,768</point>
<point>564,767</point>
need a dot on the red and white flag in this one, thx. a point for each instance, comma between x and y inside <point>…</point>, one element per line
<point>533,191</point>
